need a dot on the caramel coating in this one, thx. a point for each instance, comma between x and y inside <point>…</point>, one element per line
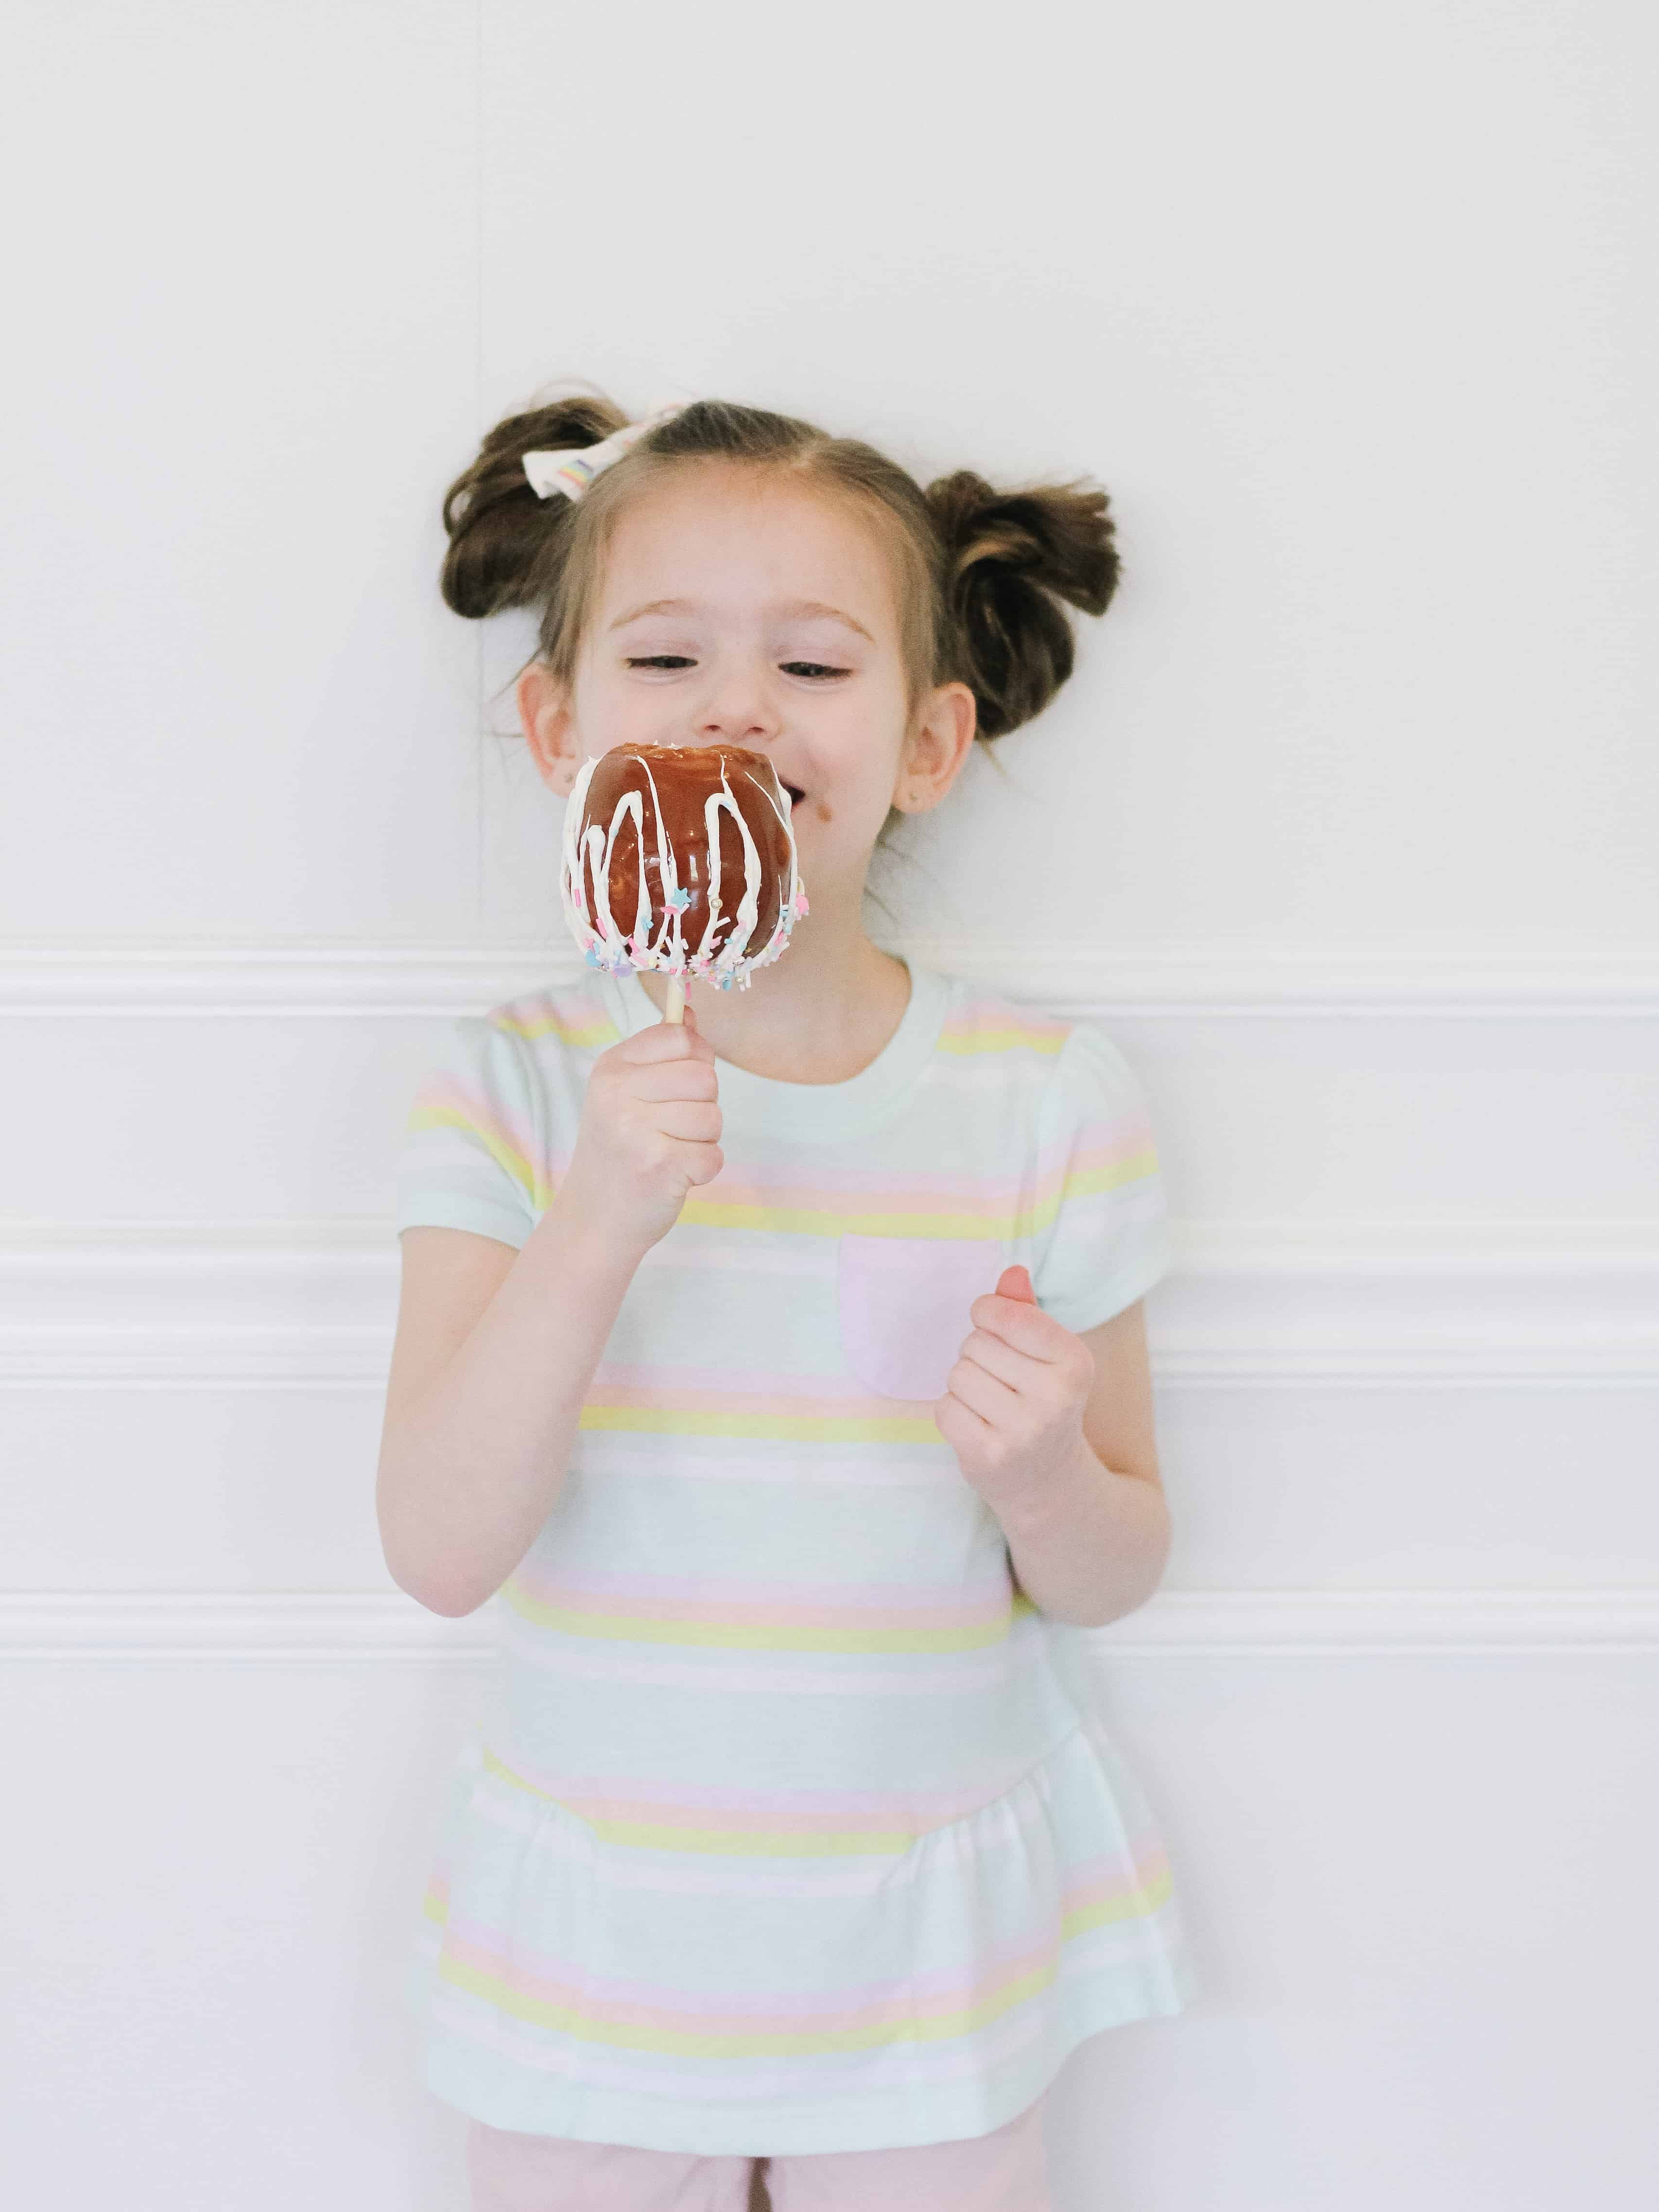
<point>682,859</point>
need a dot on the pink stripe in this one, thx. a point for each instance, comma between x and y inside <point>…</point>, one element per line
<point>994,1202</point>
<point>736,1603</point>
<point>917,1183</point>
<point>852,1190</point>
<point>550,1980</point>
<point>777,1616</point>
<point>846,1190</point>
<point>665,1383</point>
<point>1105,1888</point>
<point>832,1398</point>
<point>1002,1014</point>
<point>568,1009</point>
<point>444,1093</point>
<point>1109,1139</point>
<point>805,1807</point>
<point>580,1995</point>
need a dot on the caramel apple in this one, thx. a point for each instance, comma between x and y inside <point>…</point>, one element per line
<point>681,859</point>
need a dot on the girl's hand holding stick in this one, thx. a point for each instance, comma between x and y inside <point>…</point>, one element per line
<point>649,1134</point>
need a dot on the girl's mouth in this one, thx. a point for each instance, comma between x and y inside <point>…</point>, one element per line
<point>796,794</point>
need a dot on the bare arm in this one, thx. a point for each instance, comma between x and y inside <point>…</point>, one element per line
<point>1055,1432</point>
<point>495,1349</point>
<point>494,1355</point>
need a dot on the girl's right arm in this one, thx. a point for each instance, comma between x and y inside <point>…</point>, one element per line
<point>496,1349</point>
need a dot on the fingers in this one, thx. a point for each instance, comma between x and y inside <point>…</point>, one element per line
<point>674,1078</point>
<point>1061,1365</point>
<point>699,1164</point>
<point>961,1427</point>
<point>1026,1327</point>
<point>697,1122</point>
<point>667,1062</point>
<point>981,1391</point>
<point>1016,1283</point>
<point>998,1359</point>
<point>665,1040</point>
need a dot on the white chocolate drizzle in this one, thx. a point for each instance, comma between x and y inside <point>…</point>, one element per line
<point>658,940</point>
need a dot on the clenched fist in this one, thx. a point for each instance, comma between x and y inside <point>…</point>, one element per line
<point>650,1134</point>
<point>1012,1408</point>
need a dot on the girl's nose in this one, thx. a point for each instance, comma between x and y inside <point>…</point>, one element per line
<point>738,709</point>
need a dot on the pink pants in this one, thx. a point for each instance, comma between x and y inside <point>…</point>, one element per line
<point>999,2172</point>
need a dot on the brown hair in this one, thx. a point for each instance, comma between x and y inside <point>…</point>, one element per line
<point>984,575</point>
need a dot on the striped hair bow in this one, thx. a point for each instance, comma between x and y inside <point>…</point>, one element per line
<point>570,470</point>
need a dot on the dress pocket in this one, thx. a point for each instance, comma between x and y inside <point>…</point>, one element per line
<point>903,1303</point>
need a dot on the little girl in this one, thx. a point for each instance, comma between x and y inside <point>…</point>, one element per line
<point>785,1373</point>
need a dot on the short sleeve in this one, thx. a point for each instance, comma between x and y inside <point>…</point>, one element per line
<point>1101,1233</point>
<point>473,1155</point>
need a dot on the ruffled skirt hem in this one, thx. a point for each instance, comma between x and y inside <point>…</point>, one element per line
<point>610,1994</point>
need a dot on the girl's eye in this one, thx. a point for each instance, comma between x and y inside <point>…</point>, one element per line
<point>814,668</point>
<point>662,660</point>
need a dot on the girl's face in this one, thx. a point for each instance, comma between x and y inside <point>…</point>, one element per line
<point>739,608</point>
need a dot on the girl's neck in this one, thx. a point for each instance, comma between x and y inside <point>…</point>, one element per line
<point>819,1014</point>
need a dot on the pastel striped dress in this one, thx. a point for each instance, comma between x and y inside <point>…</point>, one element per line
<point>780,1832</point>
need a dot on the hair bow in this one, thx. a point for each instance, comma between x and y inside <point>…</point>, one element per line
<point>570,470</point>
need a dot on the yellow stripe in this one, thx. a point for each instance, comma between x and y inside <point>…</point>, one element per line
<point>505,1155</point>
<point>812,1220</point>
<point>824,1221</point>
<point>1017,1040</point>
<point>830,1221</point>
<point>601,1032</point>
<point>751,1635</point>
<point>1140,1904</point>
<point>733,1843</point>
<point>604,1032</point>
<point>692,2043</point>
<point>1089,1183</point>
<point>782,1428</point>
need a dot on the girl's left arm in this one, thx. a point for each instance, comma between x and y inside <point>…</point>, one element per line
<point>1055,1432</point>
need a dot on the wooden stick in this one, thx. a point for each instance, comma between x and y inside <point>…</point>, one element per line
<point>675,1010</point>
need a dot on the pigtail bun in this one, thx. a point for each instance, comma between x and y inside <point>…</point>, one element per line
<point>500,533</point>
<point>1012,559</point>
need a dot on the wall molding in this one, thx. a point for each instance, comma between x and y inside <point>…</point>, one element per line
<point>288,981</point>
<point>310,1306</point>
<point>299,1629</point>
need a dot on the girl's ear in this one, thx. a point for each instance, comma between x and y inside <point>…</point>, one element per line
<point>937,747</point>
<point>549,727</point>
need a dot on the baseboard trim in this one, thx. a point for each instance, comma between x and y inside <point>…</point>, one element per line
<point>309,1306</point>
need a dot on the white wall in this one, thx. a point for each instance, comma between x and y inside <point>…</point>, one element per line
<point>1349,308</point>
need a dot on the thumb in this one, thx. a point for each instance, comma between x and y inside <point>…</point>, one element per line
<point>1016,1283</point>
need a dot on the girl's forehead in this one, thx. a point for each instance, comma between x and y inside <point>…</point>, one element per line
<point>737,536</point>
